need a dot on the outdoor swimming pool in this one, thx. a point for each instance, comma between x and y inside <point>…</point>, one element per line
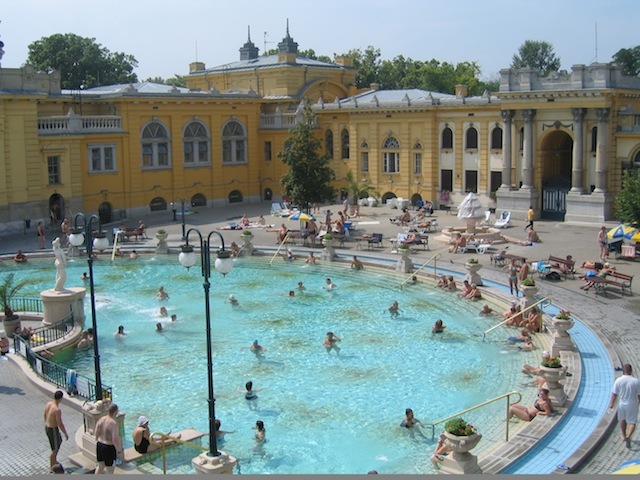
<point>322,413</point>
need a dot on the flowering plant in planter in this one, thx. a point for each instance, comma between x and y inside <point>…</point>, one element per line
<point>459,427</point>
<point>564,315</point>
<point>551,362</point>
<point>528,282</point>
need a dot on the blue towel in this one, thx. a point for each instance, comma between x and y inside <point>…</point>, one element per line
<point>72,377</point>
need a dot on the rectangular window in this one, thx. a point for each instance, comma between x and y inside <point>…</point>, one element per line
<point>446,180</point>
<point>102,158</point>
<point>471,181</point>
<point>203,152</point>
<point>364,162</point>
<point>496,181</point>
<point>147,155</point>
<point>390,162</point>
<point>188,152</point>
<point>226,151</point>
<point>53,167</point>
<point>163,155</point>
<point>267,151</point>
<point>417,163</point>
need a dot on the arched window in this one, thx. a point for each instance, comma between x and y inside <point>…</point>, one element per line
<point>417,158</point>
<point>364,157</point>
<point>155,146</point>
<point>391,157</point>
<point>447,138</point>
<point>195,144</point>
<point>158,204</point>
<point>344,141</point>
<point>235,196</point>
<point>234,143</point>
<point>496,139</point>
<point>471,138</point>
<point>198,200</point>
<point>328,143</point>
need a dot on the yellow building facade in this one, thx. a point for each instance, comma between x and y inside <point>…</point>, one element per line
<point>558,143</point>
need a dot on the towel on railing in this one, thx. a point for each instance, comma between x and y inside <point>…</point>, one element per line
<point>72,380</point>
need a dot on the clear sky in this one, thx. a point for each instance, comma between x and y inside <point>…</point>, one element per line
<point>165,36</point>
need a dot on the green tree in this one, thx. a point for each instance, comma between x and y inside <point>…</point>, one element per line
<point>309,177</point>
<point>627,205</point>
<point>629,60</point>
<point>176,80</point>
<point>81,61</point>
<point>538,55</point>
<point>358,189</point>
<point>367,64</point>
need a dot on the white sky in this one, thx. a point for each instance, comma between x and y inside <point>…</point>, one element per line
<point>162,35</point>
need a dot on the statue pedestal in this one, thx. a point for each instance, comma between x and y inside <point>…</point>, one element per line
<point>206,465</point>
<point>58,304</point>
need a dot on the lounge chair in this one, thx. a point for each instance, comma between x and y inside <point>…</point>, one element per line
<point>476,247</point>
<point>504,220</point>
<point>278,211</point>
<point>375,240</point>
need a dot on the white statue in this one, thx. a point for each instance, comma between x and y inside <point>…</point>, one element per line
<point>61,265</point>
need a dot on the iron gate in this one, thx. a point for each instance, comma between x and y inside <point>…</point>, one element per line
<point>554,198</point>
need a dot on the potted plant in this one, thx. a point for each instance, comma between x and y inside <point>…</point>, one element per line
<point>9,288</point>
<point>551,362</point>
<point>563,315</point>
<point>461,437</point>
<point>529,289</point>
<point>552,372</point>
<point>562,322</point>
<point>473,261</point>
<point>528,282</point>
<point>357,189</point>
<point>246,232</point>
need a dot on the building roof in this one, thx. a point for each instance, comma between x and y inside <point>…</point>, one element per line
<point>266,61</point>
<point>151,89</point>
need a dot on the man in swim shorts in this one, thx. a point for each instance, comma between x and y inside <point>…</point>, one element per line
<point>627,388</point>
<point>52,425</point>
<point>109,443</point>
<point>330,343</point>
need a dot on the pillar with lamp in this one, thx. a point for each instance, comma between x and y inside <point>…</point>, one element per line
<point>213,461</point>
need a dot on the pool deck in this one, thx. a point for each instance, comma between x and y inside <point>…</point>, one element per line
<point>615,319</point>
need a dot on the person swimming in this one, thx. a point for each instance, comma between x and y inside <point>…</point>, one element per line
<point>438,327</point>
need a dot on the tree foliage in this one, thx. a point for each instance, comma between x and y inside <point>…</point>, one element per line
<point>176,80</point>
<point>81,61</point>
<point>538,55</point>
<point>627,204</point>
<point>308,179</point>
<point>629,60</point>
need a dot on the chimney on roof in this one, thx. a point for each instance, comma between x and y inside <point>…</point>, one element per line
<point>196,66</point>
<point>374,86</point>
<point>344,60</point>
<point>248,51</point>
<point>461,91</point>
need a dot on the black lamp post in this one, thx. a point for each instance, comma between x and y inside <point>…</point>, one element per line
<point>83,233</point>
<point>184,231</point>
<point>223,264</point>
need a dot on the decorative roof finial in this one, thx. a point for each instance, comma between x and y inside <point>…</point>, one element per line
<point>287,28</point>
<point>249,33</point>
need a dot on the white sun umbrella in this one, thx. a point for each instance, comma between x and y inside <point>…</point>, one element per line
<point>471,211</point>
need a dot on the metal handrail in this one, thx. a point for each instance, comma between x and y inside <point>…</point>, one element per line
<point>284,240</point>
<point>435,257</point>
<point>173,441</point>
<point>480,405</point>
<point>546,299</point>
<point>51,333</point>
<point>27,304</point>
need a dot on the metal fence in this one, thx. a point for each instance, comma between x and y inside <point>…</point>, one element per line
<point>51,333</point>
<point>63,377</point>
<point>27,304</point>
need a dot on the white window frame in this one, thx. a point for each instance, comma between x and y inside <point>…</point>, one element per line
<point>155,147</point>
<point>102,148</point>
<point>199,145</point>
<point>234,145</point>
<point>417,163</point>
<point>391,157</point>
<point>364,162</point>
<point>53,169</point>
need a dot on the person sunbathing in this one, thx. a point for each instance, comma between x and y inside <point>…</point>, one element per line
<point>591,274</point>
<point>460,242</point>
<point>542,406</point>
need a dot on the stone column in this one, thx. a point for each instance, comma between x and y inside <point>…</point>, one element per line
<point>507,153</point>
<point>527,150</point>
<point>577,161</point>
<point>602,150</point>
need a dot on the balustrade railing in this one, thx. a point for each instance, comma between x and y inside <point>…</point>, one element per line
<point>67,124</point>
<point>27,304</point>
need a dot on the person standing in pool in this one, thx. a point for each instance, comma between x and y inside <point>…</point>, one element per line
<point>438,327</point>
<point>409,420</point>
<point>394,309</point>
<point>221,433</point>
<point>250,395</point>
<point>330,343</point>
<point>330,285</point>
<point>162,295</point>
<point>257,349</point>
<point>261,435</point>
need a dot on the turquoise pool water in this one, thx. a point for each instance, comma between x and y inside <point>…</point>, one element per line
<point>323,413</point>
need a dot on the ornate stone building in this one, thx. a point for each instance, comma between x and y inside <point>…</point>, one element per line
<point>558,143</point>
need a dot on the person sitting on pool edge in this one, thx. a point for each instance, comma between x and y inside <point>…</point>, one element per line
<point>142,437</point>
<point>356,264</point>
<point>438,327</point>
<point>542,406</point>
<point>440,451</point>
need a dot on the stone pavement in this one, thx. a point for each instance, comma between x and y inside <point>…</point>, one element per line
<point>615,318</point>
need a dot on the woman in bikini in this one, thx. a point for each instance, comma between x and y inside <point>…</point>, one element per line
<point>409,420</point>
<point>542,406</point>
<point>513,276</point>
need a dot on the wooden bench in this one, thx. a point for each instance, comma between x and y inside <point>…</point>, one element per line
<point>519,260</point>
<point>131,232</point>
<point>620,280</point>
<point>565,266</point>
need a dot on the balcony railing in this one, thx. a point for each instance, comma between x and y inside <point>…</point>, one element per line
<point>277,121</point>
<point>79,124</point>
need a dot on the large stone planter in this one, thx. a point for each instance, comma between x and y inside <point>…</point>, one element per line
<point>472,273</point>
<point>247,248</point>
<point>10,326</point>
<point>405,264</point>
<point>162,247</point>
<point>561,339</point>
<point>328,253</point>
<point>528,291</point>
<point>461,461</point>
<point>552,377</point>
